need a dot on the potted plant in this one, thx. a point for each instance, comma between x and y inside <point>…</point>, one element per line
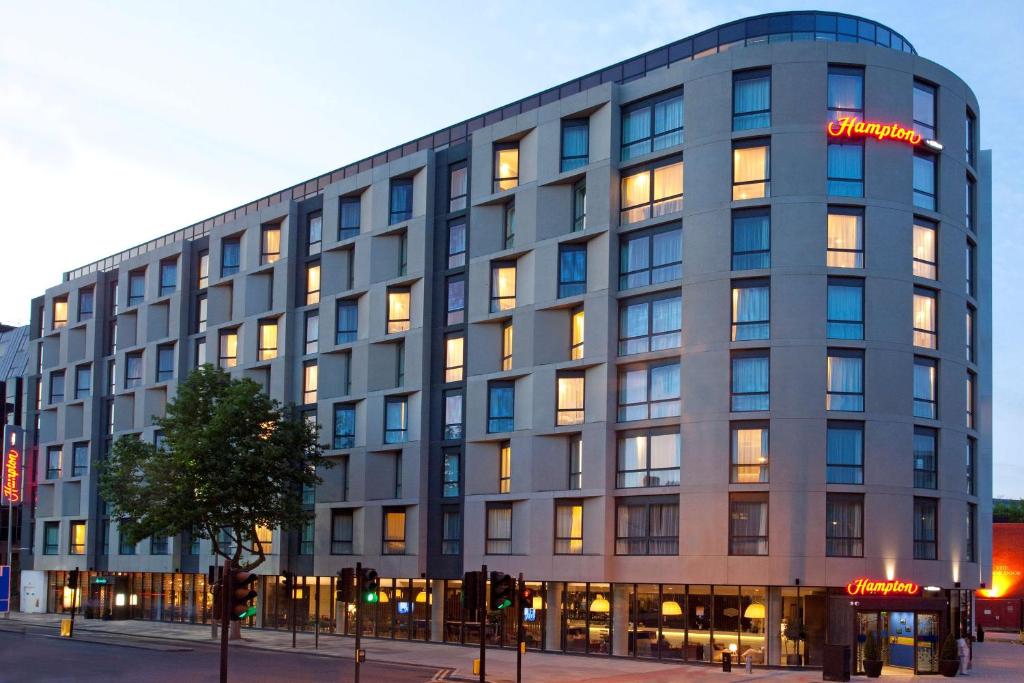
<point>872,658</point>
<point>794,633</point>
<point>949,659</point>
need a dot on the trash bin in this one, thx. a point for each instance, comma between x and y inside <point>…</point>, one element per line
<point>65,628</point>
<point>981,634</point>
<point>726,661</point>
<point>835,665</point>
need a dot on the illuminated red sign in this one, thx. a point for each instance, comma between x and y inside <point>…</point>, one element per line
<point>11,474</point>
<point>851,126</point>
<point>883,588</point>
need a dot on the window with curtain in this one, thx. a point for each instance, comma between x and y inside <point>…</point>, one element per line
<point>454,354</point>
<point>344,426</point>
<point>168,276</point>
<point>341,532</point>
<point>650,324</point>
<point>83,373</point>
<point>501,407</point>
<point>54,455</point>
<point>79,459</point>
<point>969,268</point>
<point>202,277</point>
<point>309,383</point>
<point>969,333</point>
<point>648,459</point>
<point>925,373</point>
<point>228,348</point>
<point>751,99</point>
<point>499,529</point>
<point>572,270</point>
<point>86,297</point>
<point>267,339</point>
<point>133,376</point>
<point>846,168</point>
<point>845,381</point>
<point>136,293</point>
<point>398,310</point>
<point>455,300</point>
<point>570,398</point>
<point>451,534</point>
<point>450,473</point>
<point>396,419</point>
<point>349,217</point>
<point>926,474</point>
<point>164,363</point>
<point>312,283</point>
<point>453,414</point>
<point>652,124</point>
<point>924,109</point>
<point>400,200</point>
<point>751,163</point>
<point>575,143</point>
<point>924,248</point>
<point>579,205</point>
<point>651,192</point>
<point>845,91</point>
<point>924,180</point>
<point>76,542</point>
<point>969,200</point>
<point>508,223</point>
<point>506,166</point>
<point>844,525</point>
<point>312,332</point>
<point>650,257</point>
<point>230,256</point>
<point>749,453</point>
<point>750,309</point>
<point>568,528</point>
<point>51,538</point>
<point>394,532</point>
<point>748,524</point>
<point>844,453</point>
<point>970,134</point>
<point>970,384</point>
<point>970,539</point>
<point>458,186</point>
<point>845,237</point>
<point>751,239</point>
<point>60,313</point>
<point>506,345</point>
<point>314,233</point>
<point>648,391</point>
<point>971,466</point>
<point>647,526</point>
<point>749,381</point>
<point>457,243</point>
<point>577,328</point>
<point>575,462</point>
<point>503,286</point>
<point>505,467</point>
<point>925,331</point>
<point>347,324</point>
<point>925,528</point>
<point>845,309</point>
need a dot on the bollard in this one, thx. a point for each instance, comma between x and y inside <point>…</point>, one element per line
<point>750,664</point>
<point>726,661</point>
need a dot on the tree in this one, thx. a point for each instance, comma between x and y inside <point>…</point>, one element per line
<point>1007,510</point>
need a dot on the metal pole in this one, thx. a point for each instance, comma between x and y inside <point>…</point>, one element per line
<point>519,628</point>
<point>211,585</point>
<point>74,592</point>
<point>359,613</point>
<point>291,598</point>
<point>316,617</point>
<point>482,608</point>
<point>226,589</point>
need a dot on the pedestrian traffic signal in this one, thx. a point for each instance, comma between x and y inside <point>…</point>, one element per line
<point>288,583</point>
<point>369,586</point>
<point>72,582</point>
<point>526,595</point>
<point>243,592</point>
<point>472,590</point>
<point>503,589</point>
<point>346,578</point>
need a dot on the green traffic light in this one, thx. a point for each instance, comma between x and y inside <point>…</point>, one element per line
<point>504,603</point>
<point>371,597</point>
<point>251,612</point>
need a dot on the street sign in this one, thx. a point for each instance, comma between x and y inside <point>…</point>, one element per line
<point>5,588</point>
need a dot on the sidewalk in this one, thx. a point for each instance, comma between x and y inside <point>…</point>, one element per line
<point>999,662</point>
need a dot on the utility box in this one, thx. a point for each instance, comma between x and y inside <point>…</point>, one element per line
<point>835,665</point>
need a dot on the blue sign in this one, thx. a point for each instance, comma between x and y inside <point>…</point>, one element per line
<point>529,614</point>
<point>5,588</point>
<point>403,608</point>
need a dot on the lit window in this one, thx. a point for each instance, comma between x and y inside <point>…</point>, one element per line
<point>575,144</point>
<point>924,318</point>
<point>312,283</point>
<point>503,287</point>
<point>499,529</point>
<point>268,339</point>
<point>925,372</point>
<point>751,239</point>
<point>750,309</point>
<point>506,345</point>
<point>652,125</point>
<point>201,314</point>
<point>203,271</point>
<point>650,257</point>
<point>576,332</point>
<point>504,467</point>
<point>750,170</point>
<point>396,419</point>
<point>845,91</point>
<point>845,380</point>
<point>568,528</point>
<point>270,244</point>
<point>845,309</point>
<point>453,414</point>
<point>751,99</point>
<point>309,383</point>
<point>76,544</point>
<point>648,459</point>
<point>508,223</point>
<point>844,525</point>
<point>750,381</point>
<point>845,238</point>
<point>749,453</point>
<point>844,453</point>
<point>648,392</point>
<point>458,187</point>
<point>652,192</point>
<point>394,532</point>
<point>454,358</point>
<point>311,334</point>
<point>228,348</point>
<point>506,166</point>
<point>398,310</point>
<point>924,249</point>
<point>650,325</point>
<point>748,524</point>
<point>571,393</point>
<point>349,217</point>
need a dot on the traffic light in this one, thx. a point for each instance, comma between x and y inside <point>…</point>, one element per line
<point>346,578</point>
<point>243,592</point>
<point>288,583</point>
<point>369,586</point>
<point>72,582</point>
<point>503,589</point>
<point>472,589</point>
<point>526,595</point>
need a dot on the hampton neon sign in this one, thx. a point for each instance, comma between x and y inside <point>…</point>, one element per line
<point>851,126</point>
<point>883,588</point>
<point>11,473</point>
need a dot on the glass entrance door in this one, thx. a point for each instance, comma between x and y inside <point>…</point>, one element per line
<point>926,643</point>
<point>867,622</point>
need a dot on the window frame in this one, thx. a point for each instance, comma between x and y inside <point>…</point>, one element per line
<point>86,294</point>
<point>338,544</point>
<point>835,327</point>
<point>648,301</point>
<point>392,434</point>
<point>490,549</point>
<point>840,396</point>
<point>666,272</point>
<point>341,440</point>
<point>651,103</point>
<point>83,389</point>
<point>398,325</point>
<point>501,304</point>
<point>136,288</point>
<point>857,72</point>
<point>652,207</point>
<point>399,214</point>
<point>738,186</point>
<point>647,476</point>
<point>648,503</point>
<point>494,422</point>
<point>739,258</point>
<point>224,360</point>
<point>265,352</point>
<point>457,259</point>
<point>168,265</point>
<point>568,287</point>
<point>760,497</point>
<point>923,334</point>
<point>397,546</point>
<point>756,326</point>
<point>926,477</point>
<point>926,406</point>
<point>754,115</point>
<point>455,315</point>
<point>314,232</point>
<point>79,468</point>
<point>922,266</point>
<point>347,232</point>
<point>163,353</point>
<point>230,246</point>
<point>564,545</point>
<point>858,255</point>
<point>623,410</point>
<point>857,468</point>
<point>133,361</point>
<point>924,548</point>
<point>736,468</point>
<point>572,415</point>
<point>458,202</point>
<point>574,161</point>
<point>923,199</point>
<point>451,487</point>
<point>746,354</point>
<point>267,256</point>
<point>499,182</point>
<point>834,544</point>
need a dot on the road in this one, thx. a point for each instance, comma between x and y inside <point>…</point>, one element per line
<point>32,654</point>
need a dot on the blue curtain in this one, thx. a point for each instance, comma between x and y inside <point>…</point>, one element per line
<point>845,446</point>
<point>845,303</point>
<point>750,375</point>
<point>666,315</point>
<point>845,161</point>
<point>845,91</point>
<point>752,304</point>
<point>751,234</point>
<point>348,317</point>
<point>573,265</point>
<point>752,94</point>
<point>636,125</point>
<point>575,142</point>
<point>502,402</point>
<point>845,375</point>
<point>344,422</point>
<point>668,115</point>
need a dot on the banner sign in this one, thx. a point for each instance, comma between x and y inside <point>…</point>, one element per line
<point>13,453</point>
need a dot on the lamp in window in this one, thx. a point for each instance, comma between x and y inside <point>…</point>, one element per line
<point>422,597</point>
<point>755,610</point>
<point>383,597</point>
<point>671,608</point>
<point>600,604</point>
<point>538,602</point>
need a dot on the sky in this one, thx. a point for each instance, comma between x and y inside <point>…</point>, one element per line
<point>122,121</point>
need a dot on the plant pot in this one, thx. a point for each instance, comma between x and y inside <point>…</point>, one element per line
<point>793,660</point>
<point>949,667</point>
<point>873,667</point>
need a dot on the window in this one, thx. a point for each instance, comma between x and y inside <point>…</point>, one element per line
<point>970,542</point>
<point>925,458</point>
<point>652,125</point>
<point>203,271</point>
<point>751,169</point>
<point>844,453</point>
<point>748,524</point>
<point>111,376</point>
<point>508,224</point>
<point>86,298</point>
<point>105,538</point>
<point>57,387</point>
<point>403,253</point>
<point>969,203</point>
<point>971,382</point>
<point>501,399</point>
<point>83,381</point>
<point>506,166</point>
<point>54,456</point>
<point>845,238</point>
<point>648,459</point>
<point>458,187</point>
<point>200,358</point>
<point>649,392</point>
<point>844,525</point>
<point>341,532</point>
<point>650,324</point>
<point>396,419</point>
<point>575,144</point>
<point>454,358</point>
<point>499,529</point>
<point>309,382</point>
<point>924,109</point>
<point>846,168</point>
<point>79,459</point>
<point>394,532</point>
<point>503,286</point>
<point>312,283</point>
<point>268,339</point>
<point>228,348</point>
<point>158,545</point>
<point>314,233</point>
<point>924,318</point>
<point>230,256</point>
<point>751,99</point>
<point>751,239</point>
<point>924,180</point>
<point>270,244</point>
<point>76,540</point>
<point>575,462</point>
<point>924,248</point>
<point>349,210</point>
<point>845,309</point>
<point>504,467</point>
<point>455,304</point>
<point>650,257</point>
<point>749,381</point>
<point>651,192</point>
<point>306,536</point>
<point>398,310</point>
<point>749,453</point>
<point>576,333</point>
<point>971,466</point>
<point>568,528</point>
<point>969,269</point>
<point>845,91</point>
<point>925,528</point>
<point>579,206</point>
<point>164,362</point>
<point>132,370</point>
<point>845,370</point>
<point>506,345</point>
<point>970,131</point>
<point>201,313</point>
<point>572,270</point>
<point>450,473</point>
<point>451,535</point>
<point>344,426</point>
<point>750,309</point>
<point>347,322</point>
<point>60,313</point>
<point>311,333</point>
<point>453,407</point>
<point>168,276</point>
<point>400,200</point>
<point>51,538</point>
<point>924,387</point>
<point>571,391</point>
<point>457,243</point>
<point>136,289</point>
<point>647,526</point>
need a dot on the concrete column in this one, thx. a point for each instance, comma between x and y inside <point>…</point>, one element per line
<point>773,633</point>
<point>620,619</point>
<point>437,610</point>
<point>553,616</point>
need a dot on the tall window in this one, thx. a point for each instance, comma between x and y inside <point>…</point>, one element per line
<point>267,339</point>
<point>83,381</point>
<point>924,109</point>
<point>311,333</point>
<point>51,538</point>
<point>501,400</point>
<point>749,453</point>
<point>579,206</point>
<point>400,200</point>
<point>132,370</point>
<point>575,462</point>
<point>648,391</point>
<point>572,270</point>
<point>970,384</point>
<point>450,469</point>
<point>650,458</point>
<point>504,467</point>
<point>751,239</point>
<point>202,307</point>
<point>508,224</point>
<point>925,373</point>
<point>57,386</point>
<point>347,323</point>
<point>312,283</point>
<point>503,286</point>
<point>76,540</point>
<point>349,217</point>
<point>341,532</point>
<point>230,256</point>
<point>652,125</point>
<point>971,466</point>
<point>398,310</point>
<point>499,529</point>
<point>650,257</point>
<point>846,168</point>
<point>651,192</point>
<point>164,362</point>
<point>969,203</point>
<point>750,309</point>
<point>845,237</point>
<point>925,458</point>
<point>458,187</point>
<point>86,299</point>
<point>845,309</point>
<point>310,380</point>
<point>575,143</point>
<point>751,99</point>
<point>455,301</point>
<point>571,392</point>
<point>924,248</point>
<point>751,169</point>
<point>457,243</point>
<point>270,243</point>
<point>344,426</point>
<point>314,233</point>
<point>453,414</point>
<point>54,455</point>
<point>845,91</point>
<point>749,381</point>
<point>202,272</point>
<point>454,358</point>
<point>394,532</point>
<point>506,166</point>
<point>506,345</point>
<point>924,318</point>
<point>79,459</point>
<point>970,539</point>
<point>845,370</point>
<point>158,545</point>
<point>228,348</point>
<point>136,289</point>
<point>650,324</point>
<point>168,276</point>
<point>60,313</point>
<point>844,453</point>
<point>925,528</point>
<point>924,180</point>
<point>844,525</point>
<point>748,524</point>
<point>971,132</point>
<point>396,419</point>
<point>577,329</point>
<point>568,528</point>
<point>969,268</point>
<point>647,525</point>
<point>451,536</point>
